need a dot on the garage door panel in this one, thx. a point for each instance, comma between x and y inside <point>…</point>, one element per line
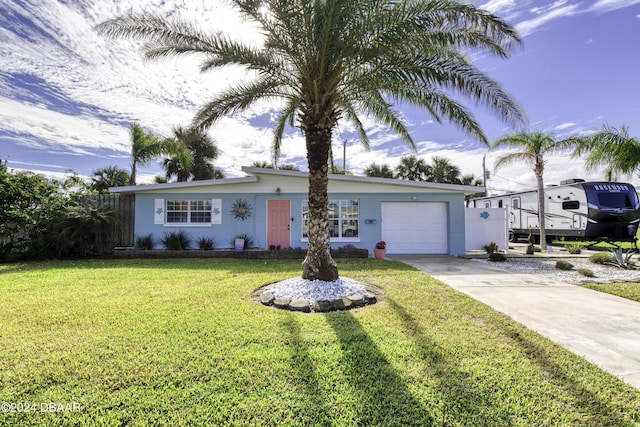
<point>415,227</point>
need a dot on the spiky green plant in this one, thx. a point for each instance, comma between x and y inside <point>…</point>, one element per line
<point>176,240</point>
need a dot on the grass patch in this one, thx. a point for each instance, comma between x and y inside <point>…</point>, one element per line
<point>180,342</point>
<point>625,290</point>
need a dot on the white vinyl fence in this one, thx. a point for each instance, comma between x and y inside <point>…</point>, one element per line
<point>486,225</point>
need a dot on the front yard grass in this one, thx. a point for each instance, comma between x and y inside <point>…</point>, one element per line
<point>625,290</point>
<point>181,342</point>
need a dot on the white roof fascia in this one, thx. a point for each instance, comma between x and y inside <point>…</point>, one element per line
<point>466,189</point>
<point>183,185</point>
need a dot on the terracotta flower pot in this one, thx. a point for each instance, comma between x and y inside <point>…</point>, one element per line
<point>379,253</point>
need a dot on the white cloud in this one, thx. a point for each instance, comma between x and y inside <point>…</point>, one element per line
<point>545,15</point>
<point>609,5</point>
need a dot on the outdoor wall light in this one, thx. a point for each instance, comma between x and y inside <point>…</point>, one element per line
<point>278,191</point>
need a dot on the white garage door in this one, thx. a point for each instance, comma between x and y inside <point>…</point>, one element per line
<point>415,228</point>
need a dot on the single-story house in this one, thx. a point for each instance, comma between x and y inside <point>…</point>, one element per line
<point>270,206</point>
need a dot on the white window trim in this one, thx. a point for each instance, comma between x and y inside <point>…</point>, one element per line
<point>160,214</point>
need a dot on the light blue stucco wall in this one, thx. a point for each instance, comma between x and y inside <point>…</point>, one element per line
<point>255,226</point>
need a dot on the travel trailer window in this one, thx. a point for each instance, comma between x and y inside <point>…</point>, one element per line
<point>499,203</point>
<point>615,200</point>
<point>571,204</point>
<point>515,203</point>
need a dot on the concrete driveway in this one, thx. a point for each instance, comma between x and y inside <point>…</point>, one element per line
<point>602,328</point>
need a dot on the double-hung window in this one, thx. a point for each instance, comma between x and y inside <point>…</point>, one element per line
<point>188,212</point>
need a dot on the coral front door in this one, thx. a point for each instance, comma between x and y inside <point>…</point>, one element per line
<point>279,225</point>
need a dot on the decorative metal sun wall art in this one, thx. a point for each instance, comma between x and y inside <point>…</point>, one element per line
<point>241,209</point>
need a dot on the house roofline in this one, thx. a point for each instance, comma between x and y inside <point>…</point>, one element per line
<point>254,172</point>
<point>186,185</point>
<point>467,189</point>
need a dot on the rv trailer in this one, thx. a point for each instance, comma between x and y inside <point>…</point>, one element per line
<point>575,209</point>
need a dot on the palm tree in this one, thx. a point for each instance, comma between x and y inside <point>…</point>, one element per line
<point>442,170</point>
<point>262,164</point>
<point>411,168</point>
<point>144,148</point>
<point>612,148</point>
<point>471,179</point>
<point>342,59</point>
<point>111,176</point>
<point>192,152</point>
<point>532,149</point>
<point>379,171</point>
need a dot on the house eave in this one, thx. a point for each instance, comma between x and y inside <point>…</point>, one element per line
<point>466,189</point>
<point>183,185</point>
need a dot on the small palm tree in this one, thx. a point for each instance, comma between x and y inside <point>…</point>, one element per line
<point>471,179</point>
<point>532,148</point>
<point>412,168</point>
<point>191,153</point>
<point>144,148</point>
<point>111,176</point>
<point>263,165</point>
<point>342,59</point>
<point>612,148</point>
<point>379,171</point>
<point>442,170</point>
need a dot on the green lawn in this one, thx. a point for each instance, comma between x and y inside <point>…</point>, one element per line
<point>625,290</point>
<point>181,342</point>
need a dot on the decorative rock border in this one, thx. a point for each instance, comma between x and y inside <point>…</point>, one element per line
<point>266,297</point>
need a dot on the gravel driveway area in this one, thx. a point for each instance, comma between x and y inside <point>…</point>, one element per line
<point>546,267</point>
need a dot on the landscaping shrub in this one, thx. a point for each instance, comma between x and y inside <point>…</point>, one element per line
<point>586,272</point>
<point>601,258</point>
<point>206,243</point>
<point>563,265</point>
<point>144,242</point>
<point>574,249</point>
<point>176,241</point>
<point>491,248</point>
<point>497,257</point>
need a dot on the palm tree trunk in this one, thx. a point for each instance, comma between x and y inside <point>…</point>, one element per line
<point>541,213</point>
<point>318,264</point>
<point>132,178</point>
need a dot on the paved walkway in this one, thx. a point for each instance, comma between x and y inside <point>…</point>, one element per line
<point>602,328</point>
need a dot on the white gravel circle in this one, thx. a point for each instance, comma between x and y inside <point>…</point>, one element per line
<point>317,290</point>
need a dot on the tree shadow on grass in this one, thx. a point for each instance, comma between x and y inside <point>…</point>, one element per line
<point>469,402</point>
<point>307,380</point>
<point>381,395</point>
<point>460,399</point>
<point>604,410</point>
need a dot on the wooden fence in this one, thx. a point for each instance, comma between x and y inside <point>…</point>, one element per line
<point>122,229</point>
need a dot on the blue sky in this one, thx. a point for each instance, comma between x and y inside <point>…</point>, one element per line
<point>67,95</point>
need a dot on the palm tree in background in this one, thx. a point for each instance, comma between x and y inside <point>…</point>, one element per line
<point>442,170</point>
<point>267,165</point>
<point>111,176</point>
<point>412,168</point>
<point>329,60</point>
<point>471,179</point>
<point>144,148</point>
<point>612,148</point>
<point>379,171</point>
<point>531,149</point>
<point>191,155</point>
